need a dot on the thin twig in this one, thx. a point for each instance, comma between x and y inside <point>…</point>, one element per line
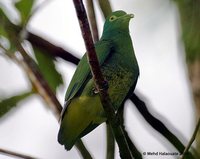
<point>15,154</point>
<point>135,152</point>
<point>191,140</point>
<point>100,82</point>
<point>105,7</point>
<point>51,49</point>
<point>110,150</point>
<point>83,150</point>
<point>92,20</point>
<point>47,47</point>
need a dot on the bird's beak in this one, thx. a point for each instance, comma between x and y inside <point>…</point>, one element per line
<point>127,16</point>
<point>130,15</point>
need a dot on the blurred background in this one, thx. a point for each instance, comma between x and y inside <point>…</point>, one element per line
<point>165,35</point>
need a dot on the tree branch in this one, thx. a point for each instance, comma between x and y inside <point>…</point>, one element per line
<point>46,92</point>
<point>99,80</point>
<point>135,152</point>
<point>105,7</point>
<point>51,49</point>
<point>191,140</point>
<point>38,81</point>
<point>110,150</point>
<point>92,20</point>
<point>157,124</point>
<point>83,150</point>
<point>15,154</point>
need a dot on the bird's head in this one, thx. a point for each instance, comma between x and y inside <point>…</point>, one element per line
<point>117,21</point>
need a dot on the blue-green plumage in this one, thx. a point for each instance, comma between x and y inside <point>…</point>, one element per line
<point>83,110</point>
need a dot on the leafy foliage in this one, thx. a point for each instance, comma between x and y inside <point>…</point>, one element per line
<point>25,8</point>
<point>3,20</point>
<point>7,104</point>
<point>190,19</point>
<point>11,31</point>
<point>48,69</point>
<point>8,30</point>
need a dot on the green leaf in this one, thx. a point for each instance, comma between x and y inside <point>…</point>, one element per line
<point>190,20</point>
<point>3,32</point>
<point>25,8</point>
<point>48,69</point>
<point>7,104</point>
<point>7,29</point>
<point>3,21</point>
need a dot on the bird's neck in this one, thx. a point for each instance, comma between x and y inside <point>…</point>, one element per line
<point>115,34</point>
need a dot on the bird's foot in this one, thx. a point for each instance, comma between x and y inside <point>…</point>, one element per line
<point>104,87</point>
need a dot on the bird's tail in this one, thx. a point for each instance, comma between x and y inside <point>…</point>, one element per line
<point>67,142</point>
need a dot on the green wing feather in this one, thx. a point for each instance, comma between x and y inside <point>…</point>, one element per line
<point>83,73</point>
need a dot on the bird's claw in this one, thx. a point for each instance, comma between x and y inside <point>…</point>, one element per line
<point>104,87</point>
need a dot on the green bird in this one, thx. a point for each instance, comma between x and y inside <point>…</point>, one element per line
<point>83,110</point>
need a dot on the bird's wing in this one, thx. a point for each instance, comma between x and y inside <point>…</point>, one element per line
<point>82,74</point>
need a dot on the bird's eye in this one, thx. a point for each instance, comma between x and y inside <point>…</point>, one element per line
<point>112,18</point>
